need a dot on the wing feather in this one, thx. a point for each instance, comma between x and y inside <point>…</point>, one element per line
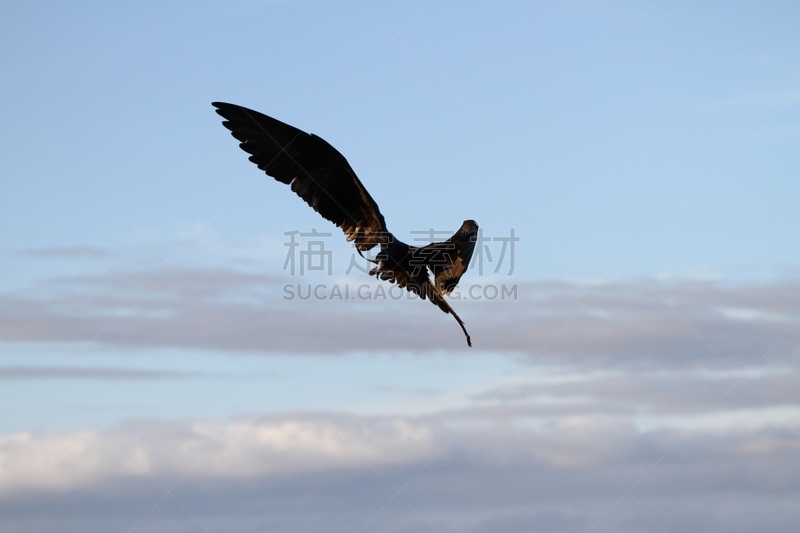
<point>314,169</point>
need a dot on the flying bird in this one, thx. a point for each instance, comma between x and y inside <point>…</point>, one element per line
<point>321,176</point>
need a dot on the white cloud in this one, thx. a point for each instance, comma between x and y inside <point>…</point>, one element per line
<point>266,447</point>
<point>249,448</point>
<point>59,462</point>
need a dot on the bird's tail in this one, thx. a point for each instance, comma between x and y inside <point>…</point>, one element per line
<point>437,298</point>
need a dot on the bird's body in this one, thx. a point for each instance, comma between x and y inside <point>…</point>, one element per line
<point>322,177</point>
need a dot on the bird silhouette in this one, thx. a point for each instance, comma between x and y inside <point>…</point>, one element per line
<point>321,176</point>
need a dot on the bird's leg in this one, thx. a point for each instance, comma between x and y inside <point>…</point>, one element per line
<point>365,257</point>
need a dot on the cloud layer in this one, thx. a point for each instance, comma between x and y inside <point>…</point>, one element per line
<point>226,309</point>
<point>633,406</point>
<point>476,470</point>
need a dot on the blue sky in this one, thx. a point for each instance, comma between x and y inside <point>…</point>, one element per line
<point>643,153</point>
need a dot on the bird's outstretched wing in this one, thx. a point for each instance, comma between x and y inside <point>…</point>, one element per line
<point>314,169</point>
<point>455,254</point>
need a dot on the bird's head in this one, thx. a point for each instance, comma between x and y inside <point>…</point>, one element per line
<point>468,226</point>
